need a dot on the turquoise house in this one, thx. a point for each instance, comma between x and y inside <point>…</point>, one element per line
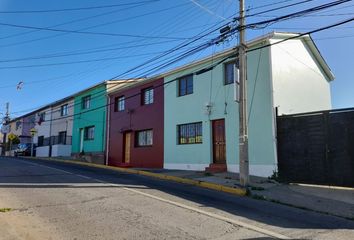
<point>89,127</point>
<point>201,103</point>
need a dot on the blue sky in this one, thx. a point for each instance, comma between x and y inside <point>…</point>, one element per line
<point>53,65</point>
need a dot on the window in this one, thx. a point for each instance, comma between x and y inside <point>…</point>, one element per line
<point>119,104</point>
<point>62,137</point>
<point>190,133</point>
<point>229,69</point>
<point>144,138</point>
<point>185,85</point>
<point>147,96</point>
<point>89,133</point>
<point>85,101</point>
<point>41,118</point>
<point>40,141</point>
<point>64,110</point>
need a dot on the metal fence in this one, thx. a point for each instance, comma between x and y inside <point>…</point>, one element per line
<point>56,140</point>
<point>317,147</point>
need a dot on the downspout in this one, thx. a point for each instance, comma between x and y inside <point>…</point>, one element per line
<point>274,109</point>
<point>108,114</point>
<point>50,132</point>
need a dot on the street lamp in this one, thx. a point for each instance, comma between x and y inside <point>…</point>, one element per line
<point>33,132</point>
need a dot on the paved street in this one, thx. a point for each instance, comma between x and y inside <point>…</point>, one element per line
<point>64,201</point>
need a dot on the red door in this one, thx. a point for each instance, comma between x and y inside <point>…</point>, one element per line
<point>219,143</point>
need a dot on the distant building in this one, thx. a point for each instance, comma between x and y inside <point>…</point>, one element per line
<point>54,129</point>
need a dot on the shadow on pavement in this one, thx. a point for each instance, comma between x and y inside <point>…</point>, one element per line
<point>13,174</point>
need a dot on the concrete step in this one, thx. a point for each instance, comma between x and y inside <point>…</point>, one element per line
<point>216,168</point>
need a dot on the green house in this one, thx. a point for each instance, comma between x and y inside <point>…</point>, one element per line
<point>89,128</point>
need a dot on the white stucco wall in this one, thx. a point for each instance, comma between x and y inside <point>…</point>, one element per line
<point>299,83</point>
<point>42,151</point>
<point>61,150</point>
<point>63,123</point>
<point>43,129</point>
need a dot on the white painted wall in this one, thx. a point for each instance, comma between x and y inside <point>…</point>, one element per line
<point>61,150</point>
<point>63,123</point>
<point>299,83</point>
<point>44,128</point>
<point>42,151</point>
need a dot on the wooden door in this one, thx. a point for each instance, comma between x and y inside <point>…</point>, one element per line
<point>219,143</point>
<point>127,146</point>
<point>81,139</point>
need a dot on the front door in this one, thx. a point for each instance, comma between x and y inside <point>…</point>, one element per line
<point>81,140</point>
<point>219,143</point>
<point>127,145</point>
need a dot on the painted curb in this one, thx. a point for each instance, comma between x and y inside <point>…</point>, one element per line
<point>208,185</point>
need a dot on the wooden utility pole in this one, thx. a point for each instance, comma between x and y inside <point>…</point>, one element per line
<point>5,122</point>
<point>243,128</point>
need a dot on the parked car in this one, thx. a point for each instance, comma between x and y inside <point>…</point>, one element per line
<point>23,149</point>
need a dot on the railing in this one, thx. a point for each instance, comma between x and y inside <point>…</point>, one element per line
<point>56,140</point>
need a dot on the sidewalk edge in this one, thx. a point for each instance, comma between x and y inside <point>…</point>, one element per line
<point>202,184</point>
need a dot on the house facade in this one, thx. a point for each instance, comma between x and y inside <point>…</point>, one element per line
<point>135,125</point>
<point>201,109</point>
<point>20,127</point>
<point>89,122</point>
<point>61,128</point>
<point>53,124</point>
<point>43,127</point>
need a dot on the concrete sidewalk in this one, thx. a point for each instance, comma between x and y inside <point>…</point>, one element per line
<point>336,201</point>
<point>331,200</point>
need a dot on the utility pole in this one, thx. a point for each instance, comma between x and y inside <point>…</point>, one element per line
<point>243,128</point>
<point>5,129</point>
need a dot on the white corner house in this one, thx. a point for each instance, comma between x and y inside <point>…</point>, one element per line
<point>54,124</point>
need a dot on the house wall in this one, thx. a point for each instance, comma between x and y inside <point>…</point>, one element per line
<point>61,150</point>
<point>15,128</point>
<point>137,117</point>
<point>43,129</point>
<point>209,87</point>
<point>63,123</point>
<point>300,84</point>
<point>42,151</point>
<point>94,149</point>
<point>27,125</point>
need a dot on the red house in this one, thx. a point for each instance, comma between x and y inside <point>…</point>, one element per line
<point>135,124</point>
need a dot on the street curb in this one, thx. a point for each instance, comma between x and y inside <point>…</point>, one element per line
<point>202,184</point>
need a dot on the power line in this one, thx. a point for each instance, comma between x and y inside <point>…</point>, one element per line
<point>278,8</point>
<point>303,34</point>
<point>61,24</point>
<point>297,14</point>
<point>186,44</point>
<point>86,32</point>
<point>251,50</point>
<point>180,47</point>
<point>79,61</point>
<point>75,9</point>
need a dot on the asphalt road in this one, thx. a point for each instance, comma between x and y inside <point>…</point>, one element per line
<point>64,201</point>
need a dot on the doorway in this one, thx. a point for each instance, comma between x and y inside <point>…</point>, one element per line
<point>81,139</point>
<point>126,147</point>
<point>219,143</point>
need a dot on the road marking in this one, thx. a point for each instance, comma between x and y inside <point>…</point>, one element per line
<point>181,205</point>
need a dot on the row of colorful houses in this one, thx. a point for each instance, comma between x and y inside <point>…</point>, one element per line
<point>187,118</point>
